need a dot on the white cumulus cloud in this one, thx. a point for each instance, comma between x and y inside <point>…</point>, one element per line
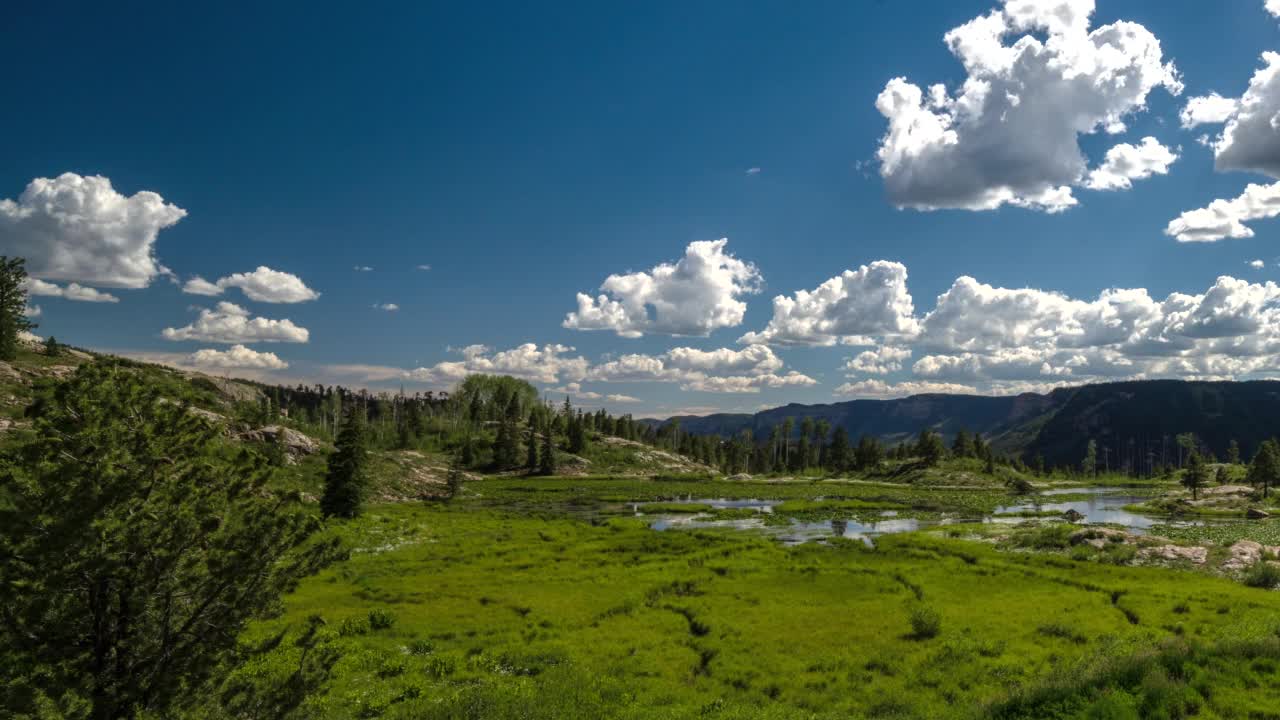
<point>1125,163</point>
<point>880,390</point>
<point>237,356</point>
<point>1249,141</point>
<point>693,296</point>
<point>870,301</point>
<point>546,364</point>
<point>78,228</point>
<point>880,361</point>
<point>724,370</point>
<point>1037,77</point>
<point>1227,218</point>
<point>229,323</point>
<point>73,291</point>
<point>262,285</point>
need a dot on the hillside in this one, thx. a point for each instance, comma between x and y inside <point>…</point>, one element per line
<point>1127,419</point>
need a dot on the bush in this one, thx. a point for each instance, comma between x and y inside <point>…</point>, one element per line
<point>1262,574</point>
<point>421,646</point>
<point>353,626</point>
<point>380,619</point>
<point>925,622</point>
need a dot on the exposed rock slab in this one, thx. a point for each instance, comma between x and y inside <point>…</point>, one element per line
<point>1194,554</point>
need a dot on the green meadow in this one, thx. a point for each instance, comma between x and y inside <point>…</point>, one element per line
<point>546,598</point>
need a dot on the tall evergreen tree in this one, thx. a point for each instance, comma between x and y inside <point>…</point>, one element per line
<point>1265,469</point>
<point>838,453</point>
<point>1233,452</point>
<point>547,463</point>
<point>453,480</point>
<point>930,448</point>
<point>531,448</point>
<point>344,482</point>
<point>13,305</point>
<point>1196,475</point>
<point>1089,466</point>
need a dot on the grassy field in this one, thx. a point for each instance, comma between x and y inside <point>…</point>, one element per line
<point>509,604</point>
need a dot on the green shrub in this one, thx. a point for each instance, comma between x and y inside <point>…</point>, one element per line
<point>438,666</point>
<point>1262,574</point>
<point>1064,631</point>
<point>353,626</point>
<point>925,622</point>
<point>421,646</point>
<point>380,619</point>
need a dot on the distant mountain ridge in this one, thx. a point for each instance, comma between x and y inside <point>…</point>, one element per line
<point>1132,422</point>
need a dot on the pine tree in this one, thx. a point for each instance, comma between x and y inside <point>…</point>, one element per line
<point>1090,464</point>
<point>1233,453</point>
<point>547,464</point>
<point>868,454</point>
<point>1196,475</point>
<point>51,347</point>
<point>468,452</point>
<point>344,482</point>
<point>962,447</point>
<point>13,305</point>
<point>506,449</point>
<point>930,448</point>
<point>453,480</point>
<point>531,449</point>
<point>1265,468</point>
<point>577,435</point>
<point>137,544</point>
<point>838,453</point>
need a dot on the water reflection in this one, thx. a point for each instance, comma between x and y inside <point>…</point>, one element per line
<point>1104,505</point>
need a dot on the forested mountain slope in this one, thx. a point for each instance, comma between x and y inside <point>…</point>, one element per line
<point>1132,422</point>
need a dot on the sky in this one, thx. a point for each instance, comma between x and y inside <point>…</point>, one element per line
<point>661,208</point>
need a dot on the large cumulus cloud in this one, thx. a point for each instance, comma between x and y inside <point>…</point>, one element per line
<point>79,228</point>
<point>1037,77</point>
<point>692,296</point>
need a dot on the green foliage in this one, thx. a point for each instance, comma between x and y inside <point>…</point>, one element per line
<point>930,448</point>
<point>1089,466</point>
<point>13,305</point>
<point>1196,475</point>
<point>380,619</point>
<point>135,547</point>
<point>925,621</point>
<point>345,479</point>
<point>548,459</point>
<point>1264,471</point>
<point>1262,574</point>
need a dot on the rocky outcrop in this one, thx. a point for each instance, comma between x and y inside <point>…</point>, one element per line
<point>1256,514</point>
<point>1195,554</point>
<point>1098,536</point>
<point>295,443</point>
<point>7,372</point>
<point>1226,490</point>
<point>1247,552</point>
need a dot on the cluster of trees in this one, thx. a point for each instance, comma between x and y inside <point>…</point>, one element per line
<point>816,447</point>
<point>1143,458</point>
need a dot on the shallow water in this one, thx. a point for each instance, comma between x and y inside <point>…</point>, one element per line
<point>1106,505</point>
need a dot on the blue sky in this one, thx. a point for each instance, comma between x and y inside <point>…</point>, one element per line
<point>525,154</point>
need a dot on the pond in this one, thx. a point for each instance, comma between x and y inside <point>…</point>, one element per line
<point>1104,505</point>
